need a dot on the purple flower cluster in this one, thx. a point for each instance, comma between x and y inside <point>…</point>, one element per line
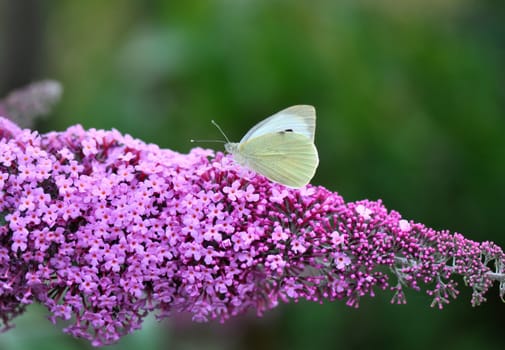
<point>102,229</point>
<point>30,102</point>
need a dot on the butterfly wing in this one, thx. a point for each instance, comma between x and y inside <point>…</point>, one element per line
<point>299,119</point>
<point>288,158</point>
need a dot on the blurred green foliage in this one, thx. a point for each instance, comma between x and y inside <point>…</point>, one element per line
<point>411,108</point>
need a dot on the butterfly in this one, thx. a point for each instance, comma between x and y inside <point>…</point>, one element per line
<point>281,147</point>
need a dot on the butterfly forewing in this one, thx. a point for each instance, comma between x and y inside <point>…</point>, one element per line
<point>300,119</point>
<point>286,157</point>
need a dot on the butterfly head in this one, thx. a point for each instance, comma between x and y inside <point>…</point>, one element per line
<point>231,147</point>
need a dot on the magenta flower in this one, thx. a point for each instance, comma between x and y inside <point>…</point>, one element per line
<point>30,102</point>
<point>103,229</point>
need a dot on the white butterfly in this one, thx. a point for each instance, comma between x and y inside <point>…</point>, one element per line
<point>281,147</point>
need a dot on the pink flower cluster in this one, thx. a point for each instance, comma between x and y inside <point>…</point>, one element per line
<point>102,229</point>
<point>30,102</point>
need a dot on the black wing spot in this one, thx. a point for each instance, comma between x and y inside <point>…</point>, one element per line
<point>285,131</point>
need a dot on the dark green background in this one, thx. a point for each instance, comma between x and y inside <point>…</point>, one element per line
<point>410,97</point>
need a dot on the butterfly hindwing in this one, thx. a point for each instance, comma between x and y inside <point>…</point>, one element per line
<point>289,158</point>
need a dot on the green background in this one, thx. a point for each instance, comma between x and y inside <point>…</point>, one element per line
<point>410,97</point>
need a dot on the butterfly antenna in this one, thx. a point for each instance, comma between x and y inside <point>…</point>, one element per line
<point>219,141</point>
<point>220,130</point>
